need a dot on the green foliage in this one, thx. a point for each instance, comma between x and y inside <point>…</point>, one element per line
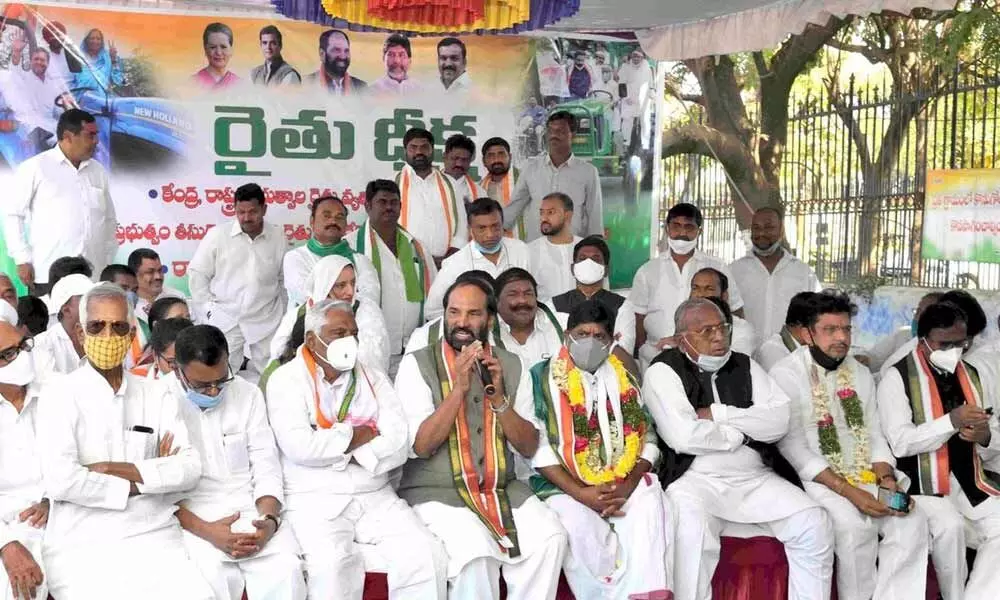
<point>139,77</point>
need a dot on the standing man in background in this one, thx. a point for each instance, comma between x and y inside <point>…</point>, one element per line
<point>61,205</point>
<point>558,171</point>
<point>459,151</point>
<point>552,254</point>
<point>501,177</point>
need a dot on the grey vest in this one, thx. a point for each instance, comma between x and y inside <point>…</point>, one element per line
<point>430,479</point>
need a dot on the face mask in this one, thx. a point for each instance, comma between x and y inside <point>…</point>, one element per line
<point>767,251</point>
<point>488,250</point>
<point>588,271</point>
<point>588,353</point>
<point>106,352</point>
<point>682,246</point>
<point>342,353</point>
<point>946,360</point>
<point>203,401</point>
<point>824,360</point>
<point>712,364</point>
<point>19,372</point>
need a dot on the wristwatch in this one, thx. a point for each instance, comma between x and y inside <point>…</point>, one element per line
<point>276,519</point>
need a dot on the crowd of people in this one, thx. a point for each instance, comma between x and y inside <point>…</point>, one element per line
<point>437,399</point>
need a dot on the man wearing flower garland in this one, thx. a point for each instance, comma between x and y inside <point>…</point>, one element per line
<point>719,414</point>
<point>460,477</point>
<point>931,404</point>
<point>836,444</point>
<point>594,458</point>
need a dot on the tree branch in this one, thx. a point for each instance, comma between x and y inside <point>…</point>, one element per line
<point>874,55</point>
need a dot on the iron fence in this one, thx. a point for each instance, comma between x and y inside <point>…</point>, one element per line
<point>834,199</point>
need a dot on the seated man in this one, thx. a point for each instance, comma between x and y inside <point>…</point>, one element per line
<point>341,430</point>
<point>23,509</point>
<point>114,453</point>
<point>792,334</point>
<point>836,444</point>
<point>591,268</point>
<point>463,435</point>
<point>931,405</point>
<point>429,333</point>
<point>60,342</point>
<point>718,413</point>
<point>712,283</point>
<point>231,519</point>
<point>610,504</point>
<point>530,329</point>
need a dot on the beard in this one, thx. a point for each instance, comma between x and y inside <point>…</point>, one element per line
<point>551,229</point>
<point>419,162</point>
<point>459,342</point>
<point>336,67</point>
<point>499,168</point>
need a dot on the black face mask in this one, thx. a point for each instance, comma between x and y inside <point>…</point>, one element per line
<point>825,360</point>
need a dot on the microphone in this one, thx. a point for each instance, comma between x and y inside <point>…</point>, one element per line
<point>486,377</point>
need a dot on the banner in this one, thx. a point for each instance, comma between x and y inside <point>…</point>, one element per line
<point>188,110</point>
<point>962,215</point>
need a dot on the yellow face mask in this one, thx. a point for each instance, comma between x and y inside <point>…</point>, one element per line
<point>106,352</point>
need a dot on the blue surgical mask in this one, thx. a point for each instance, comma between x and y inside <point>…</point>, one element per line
<point>203,401</point>
<point>488,250</point>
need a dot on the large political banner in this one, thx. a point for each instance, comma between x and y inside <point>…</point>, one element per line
<point>191,107</point>
<point>962,215</point>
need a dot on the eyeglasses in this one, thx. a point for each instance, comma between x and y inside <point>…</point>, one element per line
<point>203,387</point>
<point>963,344</point>
<point>585,335</point>
<point>172,363</point>
<point>119,328</point>
<point>8,355</point>
<point>833,329</point>
<point>710,331</point>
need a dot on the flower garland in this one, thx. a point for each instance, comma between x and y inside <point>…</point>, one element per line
<point>860,471</point>
<point>589,450</point>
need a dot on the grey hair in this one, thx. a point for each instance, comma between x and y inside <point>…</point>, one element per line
<point>104,291</point>
<point>316,314</point>
<point>680,317</point>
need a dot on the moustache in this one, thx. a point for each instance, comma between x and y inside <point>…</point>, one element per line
<point>522,307</point>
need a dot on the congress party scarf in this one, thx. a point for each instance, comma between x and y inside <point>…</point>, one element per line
<point>416,276</point>
<point>445,189</point>
<point>341,248</point>
<point>506,191</point>
<point>365,413</point>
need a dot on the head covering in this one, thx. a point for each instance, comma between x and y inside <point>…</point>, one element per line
<point>324,275</point>
<point>76,284</point>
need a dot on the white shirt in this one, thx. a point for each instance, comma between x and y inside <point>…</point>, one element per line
<point>461,85</point>
<point>425,217</point>
<point>744,337</point>
<point>237,281</point>
<point>239,459</point>
<point>766,295</point>
<point>33,98</point>
<point>880,354</point>
<point>553,264</point>
<point>20,470</point>
<point>514,253</point>
<point>59,71</point>
<point>298,264</point>
<point>771,351</point>
<point>801,445</point>
<point>55,344</point>
<point>320,473</point>
<point>543,341</point>
<point>56,210</point>
<point>467,190</point>
<point>82,421</point>
<point>401,316</point>
<point>388,85</point>
<point>576,178</point>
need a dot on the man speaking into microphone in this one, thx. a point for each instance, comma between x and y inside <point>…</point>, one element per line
<point>460,478</point>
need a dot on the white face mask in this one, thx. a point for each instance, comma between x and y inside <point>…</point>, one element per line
<point>946,360</point>
<point>342,353</point>
<point>19,372</point>
<point>711,364</point>
<point>767,251</point>
<point>588,271</point>
<point>682,246</point>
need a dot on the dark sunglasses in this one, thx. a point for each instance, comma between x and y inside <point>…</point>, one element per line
<point>119,328</point>
<point>8,355</point>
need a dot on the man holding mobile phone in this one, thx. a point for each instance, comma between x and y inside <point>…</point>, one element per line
<point>836,444</point>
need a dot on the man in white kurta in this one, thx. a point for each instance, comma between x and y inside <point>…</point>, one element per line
<point>59,342</point>
<point>459,150</point>
<point>232,518</point>
<point>792,335</point>
<point>328,223</point>
<point>617,518</point>
<point>531,329</point>
<point>24,509</point>
<point>715,471</point>
<point>341,431</point>
<point>664,282</point>
<point>552,254</point>
<point>114,454</point>
<point>831,391</point>
<point>770,276</point>
<point>235,278</point>
<point>488,251</point>
<point>405,269</point>
<point>488,520</point>
<point>712,283</point>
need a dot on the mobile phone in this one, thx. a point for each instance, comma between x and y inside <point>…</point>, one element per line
<point>989,410</point>
<point>142,429</point>
<point>896,500</point>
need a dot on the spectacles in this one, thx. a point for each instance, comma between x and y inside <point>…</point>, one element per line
<point>585,335</point>
<point>8,355</point>
<point>963,344</point>
<point>119,328</point>
<point>833,329</point>
<point>203,387</point>
<point>172,363</point>
<point>710,331</point>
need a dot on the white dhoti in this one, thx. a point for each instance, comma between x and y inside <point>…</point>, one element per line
<point>947,533</point>
<point>151,566</point>
<point>275,573</point>
<point>335,566</point>
<point>475,559</point>
<point>703,502</point>
<point>31,538</point>
<point>621,557</point>
<point>984,581</point>
<point>901,554</point>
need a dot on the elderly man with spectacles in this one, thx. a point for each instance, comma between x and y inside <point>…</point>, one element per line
<point>114,453</point>
<point>719,415</point>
